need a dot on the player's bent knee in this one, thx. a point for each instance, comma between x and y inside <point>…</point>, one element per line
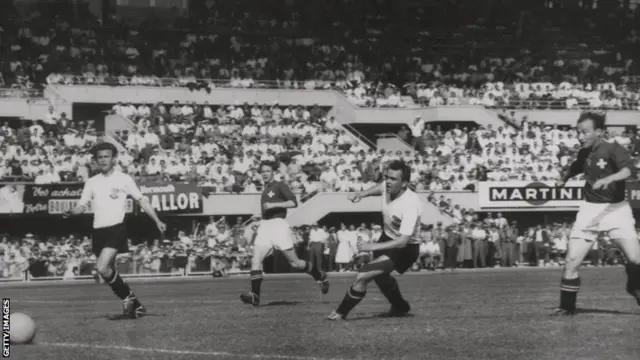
<point>104,269</point>
<point>572,262</point>
<point>365,277</point>
<point>378,266</point>
<point>299,264</point>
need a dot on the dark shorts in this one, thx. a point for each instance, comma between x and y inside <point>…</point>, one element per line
<point>403,258</point>
<point>114,237</point>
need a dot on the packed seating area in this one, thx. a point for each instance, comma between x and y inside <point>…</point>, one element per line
<point>220,247</point>
<point>222,147</point>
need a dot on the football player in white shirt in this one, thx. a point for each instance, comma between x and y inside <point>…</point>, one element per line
<point>398,247</point>
<point>107,193</point>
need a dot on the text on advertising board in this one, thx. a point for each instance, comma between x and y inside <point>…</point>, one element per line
<point>535,193</point>
<point>175,198</point>
<point>56,199</point>
<point>633,194</point>
<point>529,195</point>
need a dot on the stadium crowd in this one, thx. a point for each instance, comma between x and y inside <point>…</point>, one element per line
<point>219,247</point>
<point>220,145</point>
<point>316,153</point>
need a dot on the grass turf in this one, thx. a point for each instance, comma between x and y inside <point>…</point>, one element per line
<point>490,314</point>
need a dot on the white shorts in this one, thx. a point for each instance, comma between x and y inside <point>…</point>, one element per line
<point>274,234</point>
<point>592,219</point>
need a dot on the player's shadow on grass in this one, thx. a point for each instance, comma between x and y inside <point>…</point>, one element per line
<point>603,311</point>
<point>120,317</point>
<point>283,303</point>
<point>583,311</point>
<point>379,316</point>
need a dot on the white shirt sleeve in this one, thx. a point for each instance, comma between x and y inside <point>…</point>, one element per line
<point>87,194</point>
<point>132,189</point>
<point>410,217</point>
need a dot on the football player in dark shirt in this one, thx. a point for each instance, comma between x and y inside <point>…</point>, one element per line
<point>274,233</point>
<point>606,166</point>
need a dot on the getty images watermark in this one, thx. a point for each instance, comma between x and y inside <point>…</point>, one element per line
<point>6,325</point>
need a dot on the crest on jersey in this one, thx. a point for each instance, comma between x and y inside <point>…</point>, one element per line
<point>396,222</point>
<point>114,193</point>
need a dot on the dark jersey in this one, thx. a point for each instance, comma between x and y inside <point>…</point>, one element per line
<point>602,160</point>
<point>274,192</point>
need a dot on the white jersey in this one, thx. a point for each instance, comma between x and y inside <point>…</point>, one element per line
<point>402,216</point>
<point>108,197</point>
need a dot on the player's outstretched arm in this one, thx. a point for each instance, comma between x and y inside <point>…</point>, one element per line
<point>375,190</point>
<point>620,156</point>
<point>148,209</point>
<point>133,190</point>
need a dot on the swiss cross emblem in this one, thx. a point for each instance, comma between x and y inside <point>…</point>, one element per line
<point>114,193</point>
<point>601,163</point>
<point>270,194</point>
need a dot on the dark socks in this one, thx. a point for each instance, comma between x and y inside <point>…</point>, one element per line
<point>633,277</point>
<point>256,281</point>
<point>119,287</point>
<point>351,299</point>
<point>569,293</point>
<point>314,272</point>
<point>389,288</point>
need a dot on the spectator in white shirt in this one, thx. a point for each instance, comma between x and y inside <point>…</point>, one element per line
<point>318,238</point>
<point>479,237</point>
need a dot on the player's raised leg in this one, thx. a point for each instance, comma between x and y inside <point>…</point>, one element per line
<point>105,266</point>
<point>308,267</point>
<point>627,241</point>
<point>260,252</point>
<point>284,240</point>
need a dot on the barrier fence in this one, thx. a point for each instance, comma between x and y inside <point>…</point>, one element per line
<point>179,266</point>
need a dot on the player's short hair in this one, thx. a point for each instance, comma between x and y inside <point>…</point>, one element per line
<point>396,165</point>
<point>599,118</point>
<point>271,164</point>
<point>104,146</point>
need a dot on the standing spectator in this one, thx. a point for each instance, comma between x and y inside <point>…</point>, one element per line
<point>540,246</point>
<point>330,251</point>
<point>479,236</point>
<point>493,245</point>
<point>440,237</point>
<point>451,250</point>
<point>318,238</point>
<point>346,246</point>
<point>465,250</point>
<point>508,245</point>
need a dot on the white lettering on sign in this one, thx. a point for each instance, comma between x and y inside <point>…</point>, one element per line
<point>173,202</point>
<point>514,194</point>
<point>157,189</point>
